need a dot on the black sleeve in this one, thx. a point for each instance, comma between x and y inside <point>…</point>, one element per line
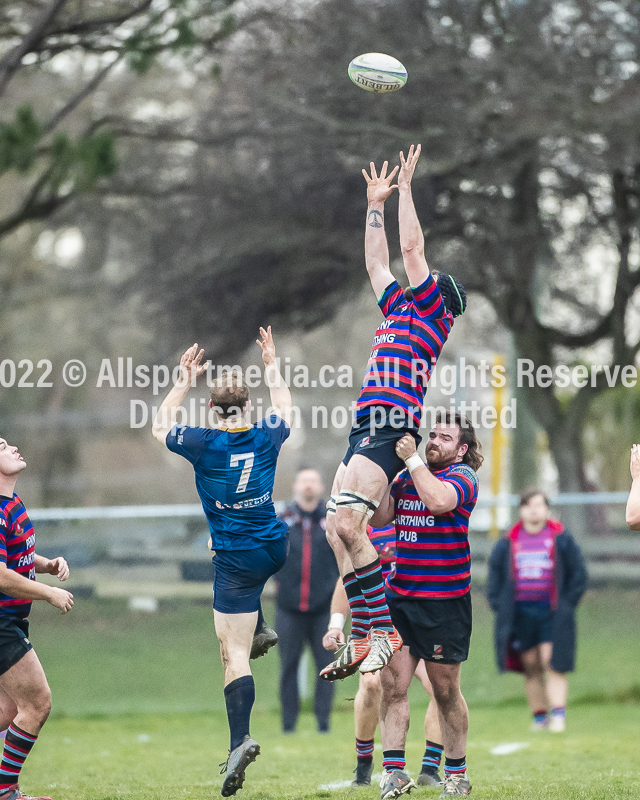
<point>576,575</point>
<point>496,573</point>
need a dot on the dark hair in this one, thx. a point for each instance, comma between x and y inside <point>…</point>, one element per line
<point>473,457</point>
<point>229,394</point>
<point>530,493</point>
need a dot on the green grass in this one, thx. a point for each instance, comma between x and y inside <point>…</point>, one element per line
<point>139,713</point>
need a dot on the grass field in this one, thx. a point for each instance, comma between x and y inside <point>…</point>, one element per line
<point>139,713</point>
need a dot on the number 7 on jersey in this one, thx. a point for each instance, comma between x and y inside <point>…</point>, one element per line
<point>246,470</point>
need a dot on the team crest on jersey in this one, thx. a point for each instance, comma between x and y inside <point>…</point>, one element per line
<point>437,651</point>
<point>364,442</point>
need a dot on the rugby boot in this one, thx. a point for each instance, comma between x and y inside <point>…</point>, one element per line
<point>362,773</point>
<point>429,778</point>
<point>14,792</point>
<point>383,646</point>
<point>235,766</point>
<point>557,724</point>
<point>395,783</point>
<point>350,655</point>
<point>263,640</point>
<point>456,786</point>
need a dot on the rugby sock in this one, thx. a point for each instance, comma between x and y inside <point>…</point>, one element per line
<point>393,759</point>
<point>358,606</point>
<point>239,696</point>
<point>455,766</point>
<point>432,757</point>
<point>559,711</point>
<point>540,716</point>
<point>372,587</point>
<point>17,746</point>
<point>364,750</point>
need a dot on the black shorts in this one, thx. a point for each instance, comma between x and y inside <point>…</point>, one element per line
<point>378,444</point>
<point>14,641</point>
<point>532,625</point>
<point>436,630</point>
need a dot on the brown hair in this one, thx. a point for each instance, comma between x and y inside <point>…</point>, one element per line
<point>530,493</point>
<point>229,394</point>
<point>473,457</point>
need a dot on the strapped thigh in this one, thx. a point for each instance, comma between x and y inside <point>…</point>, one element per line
<point>357,502</point>
<point>331,505</point>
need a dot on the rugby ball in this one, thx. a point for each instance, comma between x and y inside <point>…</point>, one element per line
<point>377,72</point>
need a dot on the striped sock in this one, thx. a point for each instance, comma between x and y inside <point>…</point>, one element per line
<point>393,759</point>
<point>358,606</point>
<point>364,750</point>
<point>559,711</point>
<point>455,766</point>
<point>432,757</point>
<point>17,746</point>
<point>372,587</point>
<point>540,716</point>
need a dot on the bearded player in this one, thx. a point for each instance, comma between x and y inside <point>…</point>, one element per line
<point>405,348</point>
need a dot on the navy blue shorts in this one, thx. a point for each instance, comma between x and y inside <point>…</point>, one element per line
<point>239,576</point>
<point>378,444</point>
<point>14,641</point>
<point>532,625</point>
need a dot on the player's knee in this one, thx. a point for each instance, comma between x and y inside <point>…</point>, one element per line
<point>39,704</point>
<point>370,686</point>
<point>446,693</point>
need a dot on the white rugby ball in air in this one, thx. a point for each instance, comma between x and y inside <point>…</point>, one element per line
<point>377,72</point>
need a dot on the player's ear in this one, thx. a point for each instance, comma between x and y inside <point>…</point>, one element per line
<point>210,403</point>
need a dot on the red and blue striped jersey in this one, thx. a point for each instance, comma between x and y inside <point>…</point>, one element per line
<point>432,550</point>
<point>384,541</point>
<point>17,550</point>
<point>405,348</point>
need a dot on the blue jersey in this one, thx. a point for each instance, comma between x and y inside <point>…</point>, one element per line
<point>235,471</point>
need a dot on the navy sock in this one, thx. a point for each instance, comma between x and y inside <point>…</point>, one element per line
<point>239,697</point>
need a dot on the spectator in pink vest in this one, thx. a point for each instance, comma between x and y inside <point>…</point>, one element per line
<point>536,579</point>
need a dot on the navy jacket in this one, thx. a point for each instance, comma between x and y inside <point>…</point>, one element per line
<point>570,584</point>
<point>308,578</point>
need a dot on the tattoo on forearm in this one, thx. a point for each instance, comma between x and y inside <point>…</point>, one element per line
<point>374,222</point>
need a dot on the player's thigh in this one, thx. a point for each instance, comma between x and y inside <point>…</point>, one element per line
<point>235,631</point>
<point>366,477</point>
<point>532,660</point>
<point>338,478</point>
<point>26,684</point>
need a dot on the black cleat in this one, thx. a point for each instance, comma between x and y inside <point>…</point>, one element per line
<point>429,778</point>
<point>362,773</point>
<point>263,640</point>
<point>235,766</point>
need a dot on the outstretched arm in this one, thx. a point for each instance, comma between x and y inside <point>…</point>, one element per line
<point>376,250</point>
<point>190,369</point>
<point>633,503</point>
<point>279,391</point>
<point>411,236</point>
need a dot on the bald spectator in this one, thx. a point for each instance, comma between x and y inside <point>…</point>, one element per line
<point>305,587</point>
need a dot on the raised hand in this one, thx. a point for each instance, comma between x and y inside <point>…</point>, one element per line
<point>406,446</point>
<point>191,368</point>
<point>407,168</point>
<point>379,187</point>
<point>267,346</point>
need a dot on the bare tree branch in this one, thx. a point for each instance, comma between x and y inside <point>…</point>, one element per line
<point>10,64</point>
